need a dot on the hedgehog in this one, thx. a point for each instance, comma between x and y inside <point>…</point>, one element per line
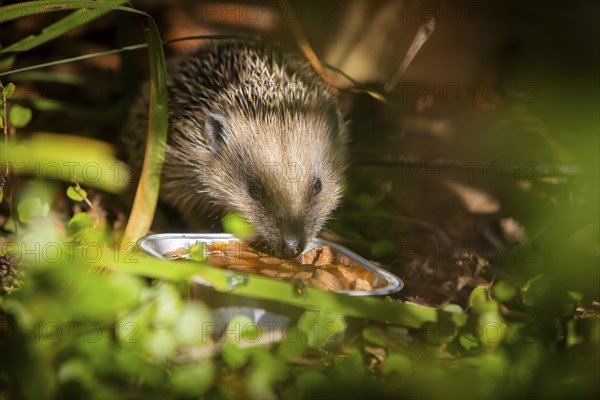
<point>253,130</point>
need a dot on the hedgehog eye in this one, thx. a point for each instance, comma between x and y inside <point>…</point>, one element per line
<point>316,187</point>
<point>255,190</point>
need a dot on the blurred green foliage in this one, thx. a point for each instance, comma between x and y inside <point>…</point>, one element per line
<point>235,224</point>
<point>75,331</point>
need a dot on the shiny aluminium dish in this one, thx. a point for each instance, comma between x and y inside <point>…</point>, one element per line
<point>384,283</point>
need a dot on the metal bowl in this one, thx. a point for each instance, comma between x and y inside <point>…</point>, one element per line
<point>159,244</point>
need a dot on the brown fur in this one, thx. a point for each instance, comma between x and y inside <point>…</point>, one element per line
<point>251,130</point>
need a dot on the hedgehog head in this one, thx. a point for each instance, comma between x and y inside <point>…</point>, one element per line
<point>281,168</point>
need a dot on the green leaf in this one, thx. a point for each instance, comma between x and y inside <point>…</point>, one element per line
<point>383,248</point>
<point>371,334</point>
<point>504,291</point>
<point>198,252</point>
<point>573,337</point>
<point>74,369</point>
<point>96,297</point>
<point>76,195</point>
<point>349,367</point>
<point>238,226</point>
<point>240,328</point>
<point>294,344</point>
<point>6,63</point>
<point>575,295</point>
<point>456,314</point>
<point>479,302</point>
<point>468,341</point>
<point>32,208</point>
<point>19,116</point>
<point>168,305</point>
<point>234,356</point>
<point>441,332</point>
<point>9,225</point>
<point>193,380</point>
<point>491,329</point>
<point>266,370</point>
<point>1,122</point>
<point>537,291</point>
<point>161,343</point>
<point>191,327</point>
<point>9,90</point>
<point>453,308</point>
<point>133,326</point>
<point>321,327</point>
<point>78,223</point>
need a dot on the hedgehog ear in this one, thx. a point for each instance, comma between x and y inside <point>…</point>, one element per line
<point>215,131</point>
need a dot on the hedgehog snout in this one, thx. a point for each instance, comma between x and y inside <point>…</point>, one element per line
<point>291,240</point>
<point>290,246</point>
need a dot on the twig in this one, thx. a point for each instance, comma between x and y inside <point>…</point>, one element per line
<point>5,117</point>
<point>305,47</point>
<point>4,179</point>
<point>84,195</point>
<point>358,87</point>
<point>93,208</point>
<point>516,314</point>
<point>425,31</point>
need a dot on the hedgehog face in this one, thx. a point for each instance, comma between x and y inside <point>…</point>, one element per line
<point>284,175</point>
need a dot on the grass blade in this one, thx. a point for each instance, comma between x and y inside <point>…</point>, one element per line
<point>52,77</point>
<point>265,288</point>
<point>29,8</point>
<point>146,196</point>
<point>60,27</point>
<point>132,47</point>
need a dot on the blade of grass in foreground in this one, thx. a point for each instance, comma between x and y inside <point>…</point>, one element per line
<point>146,196</point>
<point>60,27</point>
<point>260,287</point>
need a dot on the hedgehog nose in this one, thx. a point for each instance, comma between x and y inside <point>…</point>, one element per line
<point>291,246</point>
